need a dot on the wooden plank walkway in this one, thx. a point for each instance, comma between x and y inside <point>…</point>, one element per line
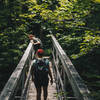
<point>51,92</point>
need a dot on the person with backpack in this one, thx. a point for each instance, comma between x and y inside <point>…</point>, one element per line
<point>35,41</point>
<point>41,73</point>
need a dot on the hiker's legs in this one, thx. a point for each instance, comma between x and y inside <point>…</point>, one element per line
<point>45,92</point>
<point>38,97</point>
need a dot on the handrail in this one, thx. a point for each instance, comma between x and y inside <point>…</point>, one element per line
<point>63,67</point>
<point>18,80</point>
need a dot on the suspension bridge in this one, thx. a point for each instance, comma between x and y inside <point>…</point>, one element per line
<point>21,87</point>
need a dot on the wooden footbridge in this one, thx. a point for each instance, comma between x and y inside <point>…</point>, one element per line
<point>20,86</point>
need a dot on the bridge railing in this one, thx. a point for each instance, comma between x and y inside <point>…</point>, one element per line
<point>17,85</point>
<point>65,72</point>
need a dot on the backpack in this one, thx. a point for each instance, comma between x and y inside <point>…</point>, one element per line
<point>41,44</point>
<point>38,46</point>
<point>41,69</point>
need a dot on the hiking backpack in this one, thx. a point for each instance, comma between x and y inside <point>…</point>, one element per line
<point>38,46</point>
<point>41,69</point>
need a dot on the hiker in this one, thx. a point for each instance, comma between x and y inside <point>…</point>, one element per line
<point>36,42</point>
<point>40,72</point>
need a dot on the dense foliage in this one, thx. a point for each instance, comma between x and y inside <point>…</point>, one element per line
<point>12,37</point>
<point>75,23</point>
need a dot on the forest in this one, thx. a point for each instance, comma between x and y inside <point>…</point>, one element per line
<point>74,23</point>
